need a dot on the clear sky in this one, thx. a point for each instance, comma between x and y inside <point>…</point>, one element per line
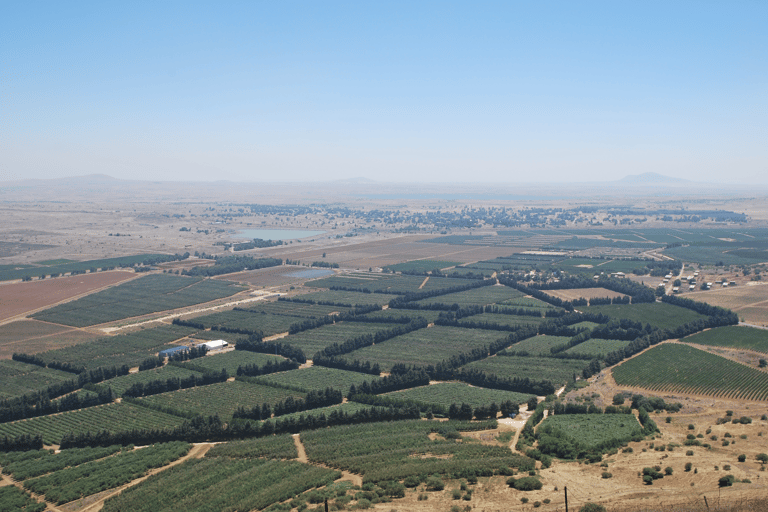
<point>507,91</point>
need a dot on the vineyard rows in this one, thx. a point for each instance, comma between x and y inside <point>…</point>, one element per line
<point>116,417</point>
<point>20,378</point>
<point>674,367</point>
<point>738,337</point>
<point>393,451</point>
<point>658,314</point>
<point>425,346</point>
<point>72,483</point>
<point>214,484</point>
<point>130,349</point>
<point>447,393</point>
<point>559,371</point>
<point>316,377</point>
<point>221,399</point>
<point>476,296</point>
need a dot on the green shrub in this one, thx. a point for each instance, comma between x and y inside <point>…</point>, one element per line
<point>606,474</point>
<point>592,507</point>
<point>689,453</point>
<point>742,458</point>
<point>668,470</point>
<point>434,483</point>
<point>726,481</point>
<point>688,466</point>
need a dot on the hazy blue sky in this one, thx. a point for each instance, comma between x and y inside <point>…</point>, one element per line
<point>394,91</point>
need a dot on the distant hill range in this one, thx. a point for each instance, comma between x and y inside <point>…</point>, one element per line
<point>651,178</point>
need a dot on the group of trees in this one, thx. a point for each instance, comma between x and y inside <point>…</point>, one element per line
<point>254,370</point>
<point>155,387</point>
<point>255,344</point>
<point>313,400</point>
<point>231,264</point>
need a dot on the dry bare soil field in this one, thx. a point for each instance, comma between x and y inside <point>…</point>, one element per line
<point>21,299</point>
<point>749,301</point>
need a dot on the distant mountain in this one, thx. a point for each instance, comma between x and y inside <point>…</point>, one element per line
<point>355,181</point>
<point>651,178</point>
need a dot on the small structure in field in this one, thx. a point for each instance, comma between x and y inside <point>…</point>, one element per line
<point>213,345</point>
<point>170,351</point>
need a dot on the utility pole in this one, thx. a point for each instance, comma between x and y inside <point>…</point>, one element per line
<point>566,498</point>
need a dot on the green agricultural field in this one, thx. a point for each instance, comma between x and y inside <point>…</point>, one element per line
<point>589,431</point>
<point>347,298</point>
<point>597,348</point>
<point>501,319</point>
<point>346,408</point>
<point>21,378</point>
<point>482,296</point>
<point>221,483</point>
<point>251,321</point>
<point>674,367</point>
<point>69,484</point>
<point>13,499</point>
<point>230,361</point>
<point>428,315</point>
<point>527,302</point>
<point>425,346</point>
<point>148,294</point>
<point>658,314</point>
<point>354,280</point>
<point>559,371</point>
<point>314,340</point>
<point>396,450</point>
<point>316,377</point>
<point>299,310</point>
<point>273,447</point>
<point>739,337</point>
<point>120,384</point>
<point>585,325</point>
<point>446,393</point>
<point>115,417</point>
<point>222,399</point>
<point>422,265</point>
<point>537,345</point>
<point>62,266</point>
<point>29,464</point>
<point>129,349</point>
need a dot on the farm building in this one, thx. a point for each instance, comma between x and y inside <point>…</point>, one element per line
<point>170,351</point>
<point>213,345</point>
